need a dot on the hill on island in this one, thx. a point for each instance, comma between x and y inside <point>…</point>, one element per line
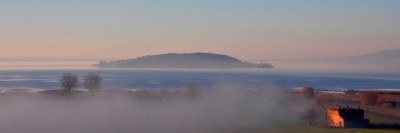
<point>187,60</point>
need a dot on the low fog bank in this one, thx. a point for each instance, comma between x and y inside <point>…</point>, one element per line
<point>222,109</point>
<point>321,66</point>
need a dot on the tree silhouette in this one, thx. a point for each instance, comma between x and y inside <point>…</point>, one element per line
<point>370,98</point>
<point>68,82</point>
<point>307,91</point>
<point>310,116</point>
<point>92,81</point>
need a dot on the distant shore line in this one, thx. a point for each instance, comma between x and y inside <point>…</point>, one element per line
<point>329,91</point>
<point>343,91</point>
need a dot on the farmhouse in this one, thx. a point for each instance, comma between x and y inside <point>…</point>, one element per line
<point>346,117</point>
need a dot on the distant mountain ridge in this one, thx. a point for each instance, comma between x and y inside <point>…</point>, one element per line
<point>381,57</point>
<point>186,60</point>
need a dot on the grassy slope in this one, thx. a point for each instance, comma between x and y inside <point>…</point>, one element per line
<point>381,119</point>
<point>323,130</point>
<point>299,126</point>
<point>304,129</point>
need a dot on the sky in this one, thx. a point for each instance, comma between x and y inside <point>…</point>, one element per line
<point>86,30</point>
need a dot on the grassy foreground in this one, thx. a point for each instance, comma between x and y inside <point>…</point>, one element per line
<point>336,130</point>
<point>305,129</point>
<point>299,126</point>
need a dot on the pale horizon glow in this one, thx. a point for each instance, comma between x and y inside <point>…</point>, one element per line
<point>260,29</point>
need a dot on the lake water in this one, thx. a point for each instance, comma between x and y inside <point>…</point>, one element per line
<point>172,79</point>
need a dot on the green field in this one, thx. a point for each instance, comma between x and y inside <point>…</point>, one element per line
<point>300,126</point>
<point>304,129</point>
<point>326,130</point>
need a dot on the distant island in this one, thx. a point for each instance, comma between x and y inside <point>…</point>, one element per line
<point>187,60</point>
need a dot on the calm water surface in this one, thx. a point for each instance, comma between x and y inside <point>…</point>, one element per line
<point>171,79</point>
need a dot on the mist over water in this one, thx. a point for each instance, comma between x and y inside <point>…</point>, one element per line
<point>231,100</point>
<point>175,79</point>
<point>224,109</point>
<point>334,67</point>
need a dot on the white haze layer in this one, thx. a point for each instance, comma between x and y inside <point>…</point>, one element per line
<point>221,110</point>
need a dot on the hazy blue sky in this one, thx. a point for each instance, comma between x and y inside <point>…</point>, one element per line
<point>247,29</point>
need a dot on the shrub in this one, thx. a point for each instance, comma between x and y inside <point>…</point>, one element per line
<point>310,116</point>
<point>307,91</point>
<point>370,98</point>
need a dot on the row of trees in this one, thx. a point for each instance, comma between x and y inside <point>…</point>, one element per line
<point>368,98</point>
<point>69,81</point>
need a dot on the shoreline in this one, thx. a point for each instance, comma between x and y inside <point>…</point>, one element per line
<point>320,91</point>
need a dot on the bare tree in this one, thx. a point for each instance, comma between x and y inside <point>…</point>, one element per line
<point>307,91</point>
<point>68,82</point>
<point>370,98</point>
<point>310,116</point>
<point>92,81</point>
